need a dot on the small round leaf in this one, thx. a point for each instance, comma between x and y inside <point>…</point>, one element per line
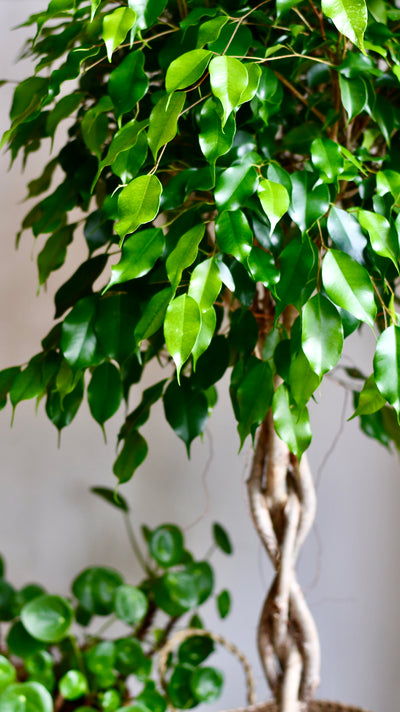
<point>73,685</point>
<point>166,545</point>
<point>26,697</point>
<point>95,589</point>
<point>47,618</point>
<point>206,684</point>
<point>130,604</point>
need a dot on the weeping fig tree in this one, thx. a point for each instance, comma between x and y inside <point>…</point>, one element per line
<point>241,160</point>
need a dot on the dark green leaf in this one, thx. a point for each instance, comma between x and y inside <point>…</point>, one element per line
<point>138,204</point>
<point>26,697</point>
<point>130,604</point>
<point>186,411</point>
<point>133,453</point>
<point>223,603</point>
<point>166,545</point>
<point>221,539</point>
<point>95,589</point>
<point>128,83</point>
<point>292,426</point>
<point>348,285</point>
<point>164,121</point>
<point>112,497</point>
<point>308,203</point>
<point>387,366</point>
<point>78,338</point>
<point>195,649</point>
<point>80,284</point>
<point>346,234</point>
<point>104,392</point>
<point>206,684</point>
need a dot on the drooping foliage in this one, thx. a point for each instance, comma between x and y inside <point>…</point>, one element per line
<point>242,162</point>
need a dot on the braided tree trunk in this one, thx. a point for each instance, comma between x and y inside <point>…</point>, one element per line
<point>282,502</point>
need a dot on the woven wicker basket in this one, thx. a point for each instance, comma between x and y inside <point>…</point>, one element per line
<point>252,706</point>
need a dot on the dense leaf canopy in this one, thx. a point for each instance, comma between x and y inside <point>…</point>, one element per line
<point>241,159</point>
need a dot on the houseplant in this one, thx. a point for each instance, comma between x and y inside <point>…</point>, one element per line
<point>242,162</point>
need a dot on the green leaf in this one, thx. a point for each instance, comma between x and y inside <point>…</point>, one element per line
<point>94,5</point>
<point>133,453</point>
<point>186,69</point>
<point>73,685</point>
<point>112,497</point>
<point>210,30</point>
<point>53,254</point>
<point>297,263</point>
<point>354,95</point>
<point>153,315</point>
<point>116,26</point>
<point>251,393</point>
<point>80,284</point>
<point>228,78</point>
<point>262,267</point>
<point>181,329</point>
<point>370,399</point>
<point>205,284</point>
<point>302,379</point>
<point>78,339</point>
<point>350,17</point>
<point>233,233</point>
<point>274,199</point>
<point>184,254</point>
<point>164,121</point>
<point>28,96</point>
<point>186,411</point>
<point>130,604</point>
<point>179,690</point>
<point>94,126</point>
<point>8,673</point>
<point>95,589</point>
<point>101,657</point>
<point>346,234</point>
<point>64,108</point>
<point>26,697</point>
<point>195,649</point>
<point>384,239</point>
<point>206,684</point>
<point>292,425</point>
<point>235,186</point>
<point>116,318</point>
<point>140,252</point>
<point>138,203</point>
<point>253,81</point>
<point>326,157</point>
<point>128,83</point>
<point>221,538</point>
<point>349,286</point>
<point>223,603</point>
<point>21,643</point>
<point>175,593</point>
<point>130,659</point>
<point>322,334</point>
<point>47,618</point>
<point>308,203</point>
<point>214,139</point>
<point>166,545</point>
<point>207,328</point>
<point>104,392</point>
<point>387,366</point>
<point>123,141</point>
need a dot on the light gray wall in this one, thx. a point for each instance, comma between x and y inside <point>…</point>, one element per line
<point>51,527</point>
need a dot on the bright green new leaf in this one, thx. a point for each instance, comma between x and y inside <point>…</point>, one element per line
<point>354,95</point>
<point>303,380</point>
<point>94,5</point>
<point>116,26</point>
<point>253,81</point>
<point>128,83</point>
<point>186,69</point>
<point>184,254</point>
<point>164,121</point>
<point>204,337</point>
<point>73,685</point>
<point>235,185</point>
<point>47,618</point>
<point>321,334</point>
<point>384,239</point>
<point>388,182</point>
<point>123,141</point>
<point>104,392</point>
<point>387,366</point>
<point>26,697</point>
<point>181,329</point>
<point>370,399</point>
<point>327,158</point>
<point>349,286</point>
<point>274,199</point>
<point>186,411</point>
<point>292,425</point>
<point>228,78</point>
<point>153,316</point>
<point>234,235</point>
<point>147,11</point>
<point>133,453</point>
<point>210,30</point>
<point>350,17</point>
<point>138,204</point>
<point>8,673</point>
<point>139,255</point>
<point>205,284</point>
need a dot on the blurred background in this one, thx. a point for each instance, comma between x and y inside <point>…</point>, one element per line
<point>51,526</point>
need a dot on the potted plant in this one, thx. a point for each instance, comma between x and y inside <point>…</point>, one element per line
<point>239,162</point>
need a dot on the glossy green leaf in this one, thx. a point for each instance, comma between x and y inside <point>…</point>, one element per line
<point>297,263</point>
<point>292,425</point>
<point>154,700</point>
<point>21,643</point>
<point>78,339</point>
<point>153,315</point>
<point>235,186</point>
<point>350,17</point>
<point>384,239</point>
<point>186,69</point>
<point>206,684</point>
<point>104,392</point>
<point>80,284</point>
<point>370,398</point>
<point>122,141</point>
<point>179,690</point>
<point>262,267</point>
<point>94,5</point>
<point>221,538</point>
<point>53,254</point>
<point>63,109</point>
<point>140,252</point>
<point>138,203</point>
<point>26,697</point>
<point>147,11</point>
<point>116,26</point>
<point>253,396</point>
<point>195,650</point>
<point>95,589</point>
<point>321,334</point>
<point>326,157</point>
<point>214,139</point>
<point>181,328</point>
<point>186,411</point>
<point>133,453</point>
<point>184,254</point>
<point>166,544</point>
<point>73,685</point>
<point>210,30</point>
<point>130,604</point>
<point>47,618</point>
<point>233,233</point>
<point>164,121</point>
<point>112,497</point>
<point>205,284</point>
<point>354,95</point>
<point>388,181</point>
<point>8,673</point>
<point>348,285</point>
<point>228,78</point>
<point>223,603</point>
<point>128,83</point>
<point>130,658</point>
<point>274,199</point>
<point>28,96</point>
<point>308,203</point>
<point>302,379</point>
<point>387,366</point>
<point>253,81</point>
<point>208,322</point>
<point>346,234</point>
<point>175,593</point>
